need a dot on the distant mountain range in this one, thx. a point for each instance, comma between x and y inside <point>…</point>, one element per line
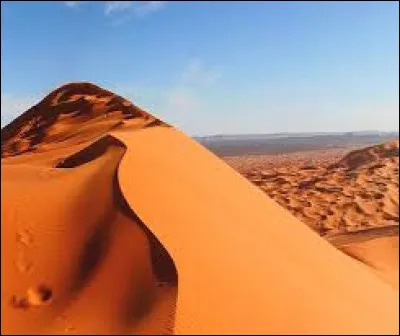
<point>246,144</point>
<point>219,137</point>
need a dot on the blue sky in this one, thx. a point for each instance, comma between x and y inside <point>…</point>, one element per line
<point>213,67</point>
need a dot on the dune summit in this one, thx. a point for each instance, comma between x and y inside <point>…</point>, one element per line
<point>69,116</point>
<point>114,222</point>
<point>370,155</point>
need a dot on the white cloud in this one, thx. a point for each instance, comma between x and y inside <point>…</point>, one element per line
<point>73,4</point>
<point>196,73</point>
<point>194,81</point>
<point>121,11</point>
<point>112,7</point>
<point>12,106</point>
<point>138,8</point>
<point>145,7</point>
<point>184,100</point>
<point>182,103</point>
<point>181,99</point>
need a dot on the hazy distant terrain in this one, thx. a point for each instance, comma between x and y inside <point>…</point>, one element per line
<point>228,145</point>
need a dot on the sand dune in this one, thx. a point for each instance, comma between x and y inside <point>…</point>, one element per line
<point>66,228</point>
<point>331,191</point>
<point>277,267</point>
<point>113,222</point>
<point>369,155</point>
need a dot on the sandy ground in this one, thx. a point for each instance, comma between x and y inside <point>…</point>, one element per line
<point>115,223</point>
<point>329,190</point>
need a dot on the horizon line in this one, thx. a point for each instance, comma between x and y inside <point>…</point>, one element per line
<point>289,133</point>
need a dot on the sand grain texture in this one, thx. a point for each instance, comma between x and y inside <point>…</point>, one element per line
<point>331,191</point>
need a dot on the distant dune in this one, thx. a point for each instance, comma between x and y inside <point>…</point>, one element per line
<point>330,190</point>
<point>114,222</point>
<point>366,156</point>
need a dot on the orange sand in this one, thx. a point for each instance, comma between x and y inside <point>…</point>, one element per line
<point>114,222</point>
<point>331,194</point>
<point>375,247</point>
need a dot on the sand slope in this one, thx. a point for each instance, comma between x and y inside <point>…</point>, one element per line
<point>263,266</point>
<point>113,222</point>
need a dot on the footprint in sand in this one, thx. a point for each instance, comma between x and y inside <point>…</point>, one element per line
<point>65,325</point>
<point>39,296</point>
<point>23,264</point>
<point>34,297</point>
<point>24,239</point>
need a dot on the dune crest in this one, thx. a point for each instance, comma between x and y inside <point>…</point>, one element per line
<point>113,222</point>
<point>369,155</point>
<point>71,115</point>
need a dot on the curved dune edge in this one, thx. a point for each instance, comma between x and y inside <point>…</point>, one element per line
<point>376,247</point>
<point>245,265</point>
<point>104,271</point>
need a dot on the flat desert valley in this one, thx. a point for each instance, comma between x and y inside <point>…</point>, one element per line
<point>114,222</point>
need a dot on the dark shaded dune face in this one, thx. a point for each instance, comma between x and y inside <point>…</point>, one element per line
<point>144,297</point>
<point>72,114</point>
<point>164,267</point>
<point>90,153</point>
<point>106,264</point>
